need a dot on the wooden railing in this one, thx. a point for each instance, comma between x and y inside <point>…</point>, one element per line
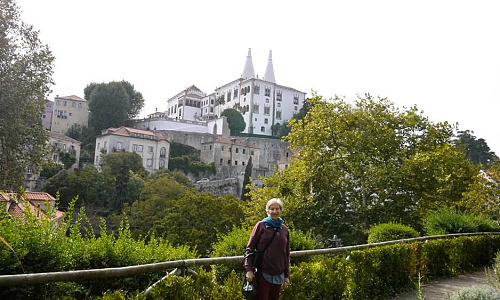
<point>78,275</point>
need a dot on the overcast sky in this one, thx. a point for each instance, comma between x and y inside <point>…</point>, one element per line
<point>443,56</point>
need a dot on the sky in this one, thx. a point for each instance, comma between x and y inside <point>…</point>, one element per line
<point>442,56</point>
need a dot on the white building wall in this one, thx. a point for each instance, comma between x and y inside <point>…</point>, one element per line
<point>150,157</point>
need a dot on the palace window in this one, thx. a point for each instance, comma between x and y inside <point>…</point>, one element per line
<point>256,108</point>
<point>256,89</point>
<point>268,92</point>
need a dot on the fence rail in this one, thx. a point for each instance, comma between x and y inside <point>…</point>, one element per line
<point>78,275</point>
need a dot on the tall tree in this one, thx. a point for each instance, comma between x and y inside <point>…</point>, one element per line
<point>108,106</point>
<point>246,180</point>
<point>135,99</point>
<point>121,164</point>
<point>25,77</point>
<point>235,120</point>
<point>367,162</point>
<point>476,149</point>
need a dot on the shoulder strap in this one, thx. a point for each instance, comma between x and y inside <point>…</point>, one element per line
<point>275,231</point>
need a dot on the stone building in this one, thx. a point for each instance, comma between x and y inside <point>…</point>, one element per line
<point>69,110</point>
<point>152,147</point>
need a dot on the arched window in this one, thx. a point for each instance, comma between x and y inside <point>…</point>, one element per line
<point>163,152</point>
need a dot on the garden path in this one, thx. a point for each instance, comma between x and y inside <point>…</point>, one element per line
<point>442,288</point>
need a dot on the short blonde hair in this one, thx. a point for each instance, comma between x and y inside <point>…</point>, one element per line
<point>275,200</point>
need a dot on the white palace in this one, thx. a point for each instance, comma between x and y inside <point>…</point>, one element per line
<point>261,101</point>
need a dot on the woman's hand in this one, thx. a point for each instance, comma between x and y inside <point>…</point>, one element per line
<point>250,276</point>
<point>286,283</point>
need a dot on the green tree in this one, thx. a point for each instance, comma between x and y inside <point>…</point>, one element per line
<point>108,106</point>
<point>136,99</point>
<point>483,197</point>
<point>86,136</point>
<point>475,149</point>
<point>235,120</point>
<point>246,180</point>
<point>196,219</point>
<point>25,77</point>
<point>283,129</point>
<point>364,163</point>
<point>121,164</point>
<point>155,198</point>
<point>95,190</point>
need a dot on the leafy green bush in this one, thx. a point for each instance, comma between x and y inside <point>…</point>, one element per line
<point>496,272</point>
<point>390,231</point>
<point>40,246</point>
<point>478,293</point>
<point>445,220</point>
<point>234,243</point>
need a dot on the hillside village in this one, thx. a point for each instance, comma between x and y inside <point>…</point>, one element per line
<point>193,118</point>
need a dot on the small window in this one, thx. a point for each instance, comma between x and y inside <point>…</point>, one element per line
<point>251,152</point>
<point>265,121</point>
<point>244,150</point>
<point>228,161</point>
<point>118,145</point>
<point>237,150</point>
<point>149,163</point>
<point>221,161</point>
<point>242,163</point>
<point>235,162</point>
<point>210,147</point>
<point>65,103</point>
<point>222,148</point>
<point>262,129</point>
<point>150,149</point>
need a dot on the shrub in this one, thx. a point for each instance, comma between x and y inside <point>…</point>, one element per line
<point>41,247</point>
<point>390,231</point>
<point>445,221</point>
<point>478,293</point>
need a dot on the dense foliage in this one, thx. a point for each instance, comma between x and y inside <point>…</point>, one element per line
<point>39,246</point>
<point>112,104</point>
<point>94,189</point>
<point>370,274</point>
<point>475,149</point>
<point>446,220</point>
<point>196,219</point>
<point>235,120</point>
<point>25,79</point>
<point>366,162</point>
<point>390,231</point>
<point>122,166</point>
<point>483,195</point>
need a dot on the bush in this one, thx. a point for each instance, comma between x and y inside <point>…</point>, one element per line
<point>445,221</point>
<point>478,293</point>
<point>39,246</point>
<point>390,231</point>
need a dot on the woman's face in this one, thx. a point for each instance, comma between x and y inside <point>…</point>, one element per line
<point>274,211</point>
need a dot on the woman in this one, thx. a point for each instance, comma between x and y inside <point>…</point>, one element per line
<point>275,261</point>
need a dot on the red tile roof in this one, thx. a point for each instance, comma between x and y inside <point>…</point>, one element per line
<point>126,131</point>
<point>35,203</point>
<point>72,97</point>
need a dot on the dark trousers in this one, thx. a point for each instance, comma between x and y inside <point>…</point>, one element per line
<point>266,290</point>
